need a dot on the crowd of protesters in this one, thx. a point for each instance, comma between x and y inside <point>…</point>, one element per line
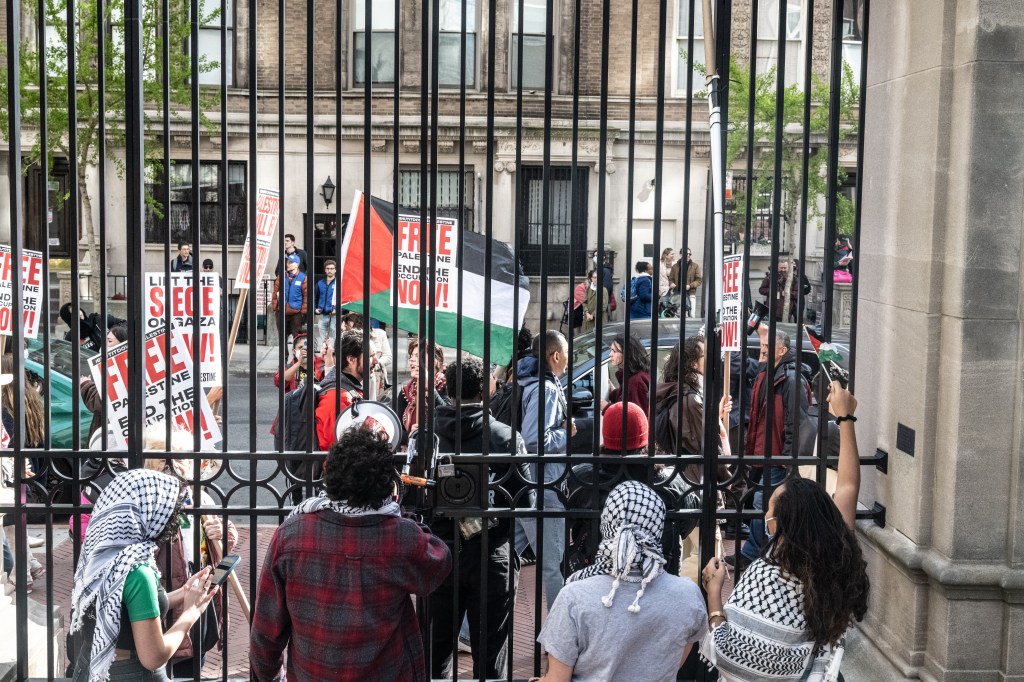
<point>334,595</point>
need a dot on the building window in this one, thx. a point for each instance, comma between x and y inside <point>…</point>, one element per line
<point>382,44</point>
<point>761,229</point>
<point>768,38</point>
<point>448,204</point>
<point>175,198</point>
<point>212,20</point>
<point>566,223</point>
<point>450,43</point>
<point>682,40</point>
<point>853,35</point>
<point>534,44</point>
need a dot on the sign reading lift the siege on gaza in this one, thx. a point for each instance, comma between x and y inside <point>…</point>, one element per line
<point>178,298</point>
<point>31,291</point>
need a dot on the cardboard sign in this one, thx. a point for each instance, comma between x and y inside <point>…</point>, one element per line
<point>180,396</point>
<point>732,303</point>
<point>179,299</point>
<point>31,291</point>
<point>442,266</point>
<point>268,205</point>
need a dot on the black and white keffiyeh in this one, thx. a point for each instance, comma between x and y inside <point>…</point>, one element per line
<point>129,515</point>
<point>321,502</point>
<point>632,523</point>
<point>765,637</point>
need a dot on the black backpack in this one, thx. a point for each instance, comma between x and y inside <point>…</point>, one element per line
<point>664,431</point>
<point>296,433</point>
<point>507,395</point>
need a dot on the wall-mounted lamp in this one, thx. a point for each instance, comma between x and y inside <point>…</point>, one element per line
<point>645,192</point>
<point>327,191</point>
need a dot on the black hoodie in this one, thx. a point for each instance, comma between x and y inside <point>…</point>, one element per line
<point>447,420</point>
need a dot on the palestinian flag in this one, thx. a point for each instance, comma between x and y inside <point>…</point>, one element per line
<point>828,357</point>
<point>450,267</point>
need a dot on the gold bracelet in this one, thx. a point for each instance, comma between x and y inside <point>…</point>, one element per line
<point>716,614</point>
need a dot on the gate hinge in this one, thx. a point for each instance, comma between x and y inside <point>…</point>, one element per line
<point>882,461</point>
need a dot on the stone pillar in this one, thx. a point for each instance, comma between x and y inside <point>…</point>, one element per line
<point>939,335</point>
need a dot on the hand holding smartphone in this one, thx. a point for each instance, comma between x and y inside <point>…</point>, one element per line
<point>224,569</point>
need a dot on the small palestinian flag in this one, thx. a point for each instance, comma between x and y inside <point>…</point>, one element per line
<point>828,356</point>
<point>459,257</point>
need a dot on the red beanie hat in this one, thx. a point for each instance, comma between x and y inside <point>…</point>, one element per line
<point>636,427</point>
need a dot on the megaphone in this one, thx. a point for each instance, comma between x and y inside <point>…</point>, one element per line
<point>373,416</point>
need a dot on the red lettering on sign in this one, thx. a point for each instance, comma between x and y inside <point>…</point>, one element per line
<point>32,271</point>
<point>156,302</point>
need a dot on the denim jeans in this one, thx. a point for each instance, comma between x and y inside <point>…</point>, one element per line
<point>550,555</point>
<point>326,324</point>
<point>8,555</point>
<point>754,542</point>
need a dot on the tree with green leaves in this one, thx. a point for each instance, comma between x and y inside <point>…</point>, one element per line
<point>759,190</point>
<point>96,21</point>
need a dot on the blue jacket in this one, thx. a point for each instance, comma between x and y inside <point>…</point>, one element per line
<point>325,295</point>
<point>640,304</point>
<point>555,436</point>
<point>293,291</point>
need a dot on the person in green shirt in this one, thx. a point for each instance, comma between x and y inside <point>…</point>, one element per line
<point>117,601</point>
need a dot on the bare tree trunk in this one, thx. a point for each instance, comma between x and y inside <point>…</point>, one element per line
<point>88,249</point>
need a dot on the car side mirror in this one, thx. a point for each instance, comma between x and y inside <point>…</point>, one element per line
<point>582,399</point>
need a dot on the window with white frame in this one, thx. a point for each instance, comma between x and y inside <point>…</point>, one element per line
<point>450,42</point>
<point>768,38</point>
<point>382,42</point>
<point>212,19</point>
<point>682,41</point>
<point>448,203</point>
<point>534,44</point>
<point>853,36</point>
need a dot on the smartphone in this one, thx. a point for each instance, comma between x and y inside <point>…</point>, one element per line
<point>224,568</point>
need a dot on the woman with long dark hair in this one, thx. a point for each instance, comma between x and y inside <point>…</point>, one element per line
<point>633,374</point>
<point>787,617</point>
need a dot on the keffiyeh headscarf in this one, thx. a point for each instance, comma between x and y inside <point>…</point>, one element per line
<point>130,514</point>
<point>321,501</point>
<point>632,523</point>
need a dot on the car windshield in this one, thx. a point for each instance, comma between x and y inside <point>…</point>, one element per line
<point>61,357</point>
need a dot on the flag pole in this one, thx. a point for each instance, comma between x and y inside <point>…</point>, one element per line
<point>715,130</point>
<point>235,324</point>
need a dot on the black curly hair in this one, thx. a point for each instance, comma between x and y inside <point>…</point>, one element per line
<point>360,469</point>
<point>474,379</point>
<point>813,544</point>
<point>634,356</point>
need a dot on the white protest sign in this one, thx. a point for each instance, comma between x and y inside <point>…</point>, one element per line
<point>116,377</point>
<point>732,313</point>
<point>31,291</point>
<point>179,299</point>
<point>180,396</point>
<point>268,205</point>
<point>443,266</point>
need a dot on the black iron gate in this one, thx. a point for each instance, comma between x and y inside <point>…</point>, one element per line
<point>582,126</point>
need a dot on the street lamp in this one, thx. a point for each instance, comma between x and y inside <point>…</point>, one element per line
<point>327,191</point>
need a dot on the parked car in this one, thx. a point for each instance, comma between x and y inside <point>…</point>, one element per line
<point>61,391</point>
<point>588,363</point>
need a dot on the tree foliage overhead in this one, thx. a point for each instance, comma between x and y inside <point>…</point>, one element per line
<point>99,21</point>
<point>764,124</point>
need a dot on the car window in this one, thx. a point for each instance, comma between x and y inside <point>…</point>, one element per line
<point>61,357</point>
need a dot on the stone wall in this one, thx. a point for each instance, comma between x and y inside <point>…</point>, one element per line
<point>939,335</point>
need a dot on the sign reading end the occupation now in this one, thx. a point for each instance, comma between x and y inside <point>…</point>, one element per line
<point>31,291</point>
<point>732,313</point>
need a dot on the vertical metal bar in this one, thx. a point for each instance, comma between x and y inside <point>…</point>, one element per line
<point>367,177</point>
<point>282,277</point>
<point>101,159</point>
<point>431,335</point>
<point>197,238</point>
<point>166,75</point>
<point>832,166</point>
<point>225,215</point>
<point>16,214</point>
<point>859,191</point>
<point>627,369</point>
<point>745,293</point>
<point>395,195</point>
<point>659,160</point>
<point>309,241</point>
<point>253,190</point>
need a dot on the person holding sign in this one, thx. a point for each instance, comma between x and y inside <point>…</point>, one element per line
<point>293,284</point>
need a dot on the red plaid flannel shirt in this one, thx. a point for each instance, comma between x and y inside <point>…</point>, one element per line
<point>335,590</point>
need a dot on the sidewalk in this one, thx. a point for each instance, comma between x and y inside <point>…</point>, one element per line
<point>268,360</point>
